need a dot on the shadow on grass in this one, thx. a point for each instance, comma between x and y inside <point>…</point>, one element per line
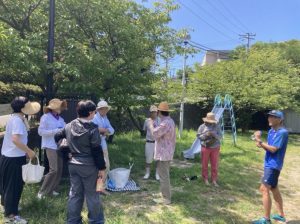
<point>239,180</point>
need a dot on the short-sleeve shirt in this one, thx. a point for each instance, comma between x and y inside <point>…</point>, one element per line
<point>146,128</point>
<point>14,126</point>
<point>279,139</point>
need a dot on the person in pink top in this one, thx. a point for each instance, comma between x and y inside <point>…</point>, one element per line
<point>165,140</point>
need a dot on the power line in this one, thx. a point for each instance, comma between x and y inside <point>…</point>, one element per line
<point>236,19</point>
<point>212,16</point>
<point>205,48</point>
<point>201,19</point>
<point>226,17</point>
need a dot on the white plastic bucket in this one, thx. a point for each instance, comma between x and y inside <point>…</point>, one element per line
<point>120,176</point>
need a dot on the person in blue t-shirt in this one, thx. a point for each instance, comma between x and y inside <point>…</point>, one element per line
<point>275,151</point>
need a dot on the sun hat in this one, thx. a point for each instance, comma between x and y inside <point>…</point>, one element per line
<point>276,113</point>
<point>164,106</point>
<point>103,103</point>
<point>210,118</point>
<point>153,108</point>
<point>31,108</point>
<point>56,104</point>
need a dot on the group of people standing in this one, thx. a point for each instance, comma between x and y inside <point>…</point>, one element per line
<point>89,159</point>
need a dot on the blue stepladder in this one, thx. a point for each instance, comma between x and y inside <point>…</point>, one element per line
<point>222,107</point>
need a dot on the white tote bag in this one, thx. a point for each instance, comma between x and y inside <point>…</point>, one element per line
<point>32,173</point>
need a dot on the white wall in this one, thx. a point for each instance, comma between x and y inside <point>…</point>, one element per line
<point>292,121</point>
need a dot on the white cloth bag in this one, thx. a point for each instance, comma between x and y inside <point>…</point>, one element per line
<point>32,173</point>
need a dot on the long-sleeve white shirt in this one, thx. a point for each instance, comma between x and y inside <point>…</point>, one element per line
<point>49,126</point>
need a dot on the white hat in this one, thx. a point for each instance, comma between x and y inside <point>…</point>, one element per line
<point>153,108</point>
<point>103,103</point>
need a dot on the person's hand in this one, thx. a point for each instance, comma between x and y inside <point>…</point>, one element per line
<point>102,130</point>
<point>258,144</point>
<point>101,175</point>
<point>257,135</point>
<point>31,154</point>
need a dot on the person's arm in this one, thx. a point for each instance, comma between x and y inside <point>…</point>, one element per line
<point>271,148</point>
<point>97,151</point>
<point>201,134</point>
<point>109,128</point>
<point>44,129</point>
<point>159,131</point>
<point>217,134</point>
<point>18,130</point>
<point>60,135</point>
<point>16,139</point>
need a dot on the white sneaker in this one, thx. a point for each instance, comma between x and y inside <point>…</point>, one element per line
<point>147,175</point>
<point>40,196</point>
<point>157,176</point>
<point>15,220</point>
<point>55,193</point>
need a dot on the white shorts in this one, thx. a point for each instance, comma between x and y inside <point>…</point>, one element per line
<point>149,152</point>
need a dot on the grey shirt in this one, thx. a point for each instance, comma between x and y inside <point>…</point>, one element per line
<point>210,141</point>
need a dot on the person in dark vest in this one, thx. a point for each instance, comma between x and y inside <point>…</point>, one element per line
<point>86,165</point>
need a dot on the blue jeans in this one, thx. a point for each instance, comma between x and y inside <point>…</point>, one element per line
<point>83,185</point>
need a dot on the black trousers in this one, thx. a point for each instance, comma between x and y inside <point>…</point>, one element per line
<point>11,183</point>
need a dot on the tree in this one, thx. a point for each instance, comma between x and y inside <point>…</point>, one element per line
<point>263,79</point>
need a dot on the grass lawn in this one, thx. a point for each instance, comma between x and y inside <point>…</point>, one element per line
<point>237,200</point>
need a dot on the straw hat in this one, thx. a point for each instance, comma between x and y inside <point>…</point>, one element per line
<point>210,118</point>
<point>31,108</point>
<point>56,104</point>
<point>153,108</point>
<point>164,106</point>
<point>103,103</point>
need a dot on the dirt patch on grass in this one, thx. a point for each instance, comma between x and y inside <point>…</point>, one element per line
<point>290,187</point>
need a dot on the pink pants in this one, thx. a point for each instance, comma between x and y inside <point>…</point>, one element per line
<point>212,155</point>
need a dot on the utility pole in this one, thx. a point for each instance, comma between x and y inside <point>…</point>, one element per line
<point>248,37</point>
<point>183,82</point>
<point>50,52</point>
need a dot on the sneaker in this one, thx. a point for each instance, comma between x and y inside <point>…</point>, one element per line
<point>278,218</point>
<point>262,221</point>
<point>206,182</point>
<point>55,193</point>
<point>146,177</point>
<point>15,220</point>
<point>157,176</point>
<point>40,196</point>
<point>215,184</point>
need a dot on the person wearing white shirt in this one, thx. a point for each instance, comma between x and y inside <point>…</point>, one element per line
<point>13,157</point>
<point>51,123</point>
<point>105,130</point>
<point>150,142</point>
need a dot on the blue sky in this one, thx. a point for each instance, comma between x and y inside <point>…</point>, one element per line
<point>217,23</point>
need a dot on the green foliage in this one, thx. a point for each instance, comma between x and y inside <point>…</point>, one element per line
<point>10,90</point>
<point>105,48</point>
<point>263,79</point>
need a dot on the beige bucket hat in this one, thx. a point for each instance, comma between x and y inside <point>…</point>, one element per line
<point>210,118</point>
<point>164,106</point>
<point>153,108</point>
<point>56,104</point>
<point>31,108</point>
